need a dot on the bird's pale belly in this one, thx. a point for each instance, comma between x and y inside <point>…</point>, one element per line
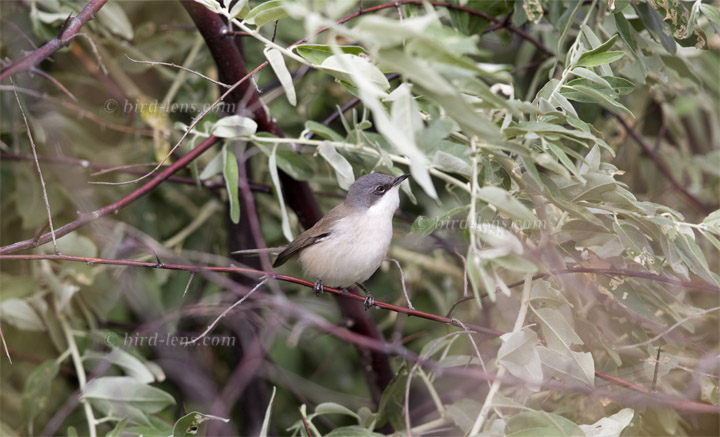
<point>353,252</point>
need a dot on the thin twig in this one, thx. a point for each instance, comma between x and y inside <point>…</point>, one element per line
<point>37,165</point>
<point>262,282</point>
<point>657,370</point>
<point>55,82</point>
<point>402,281</point>
<point>667,331</point>
<point>7,352</point>
<point>187,287</point>
<point>189,70</point>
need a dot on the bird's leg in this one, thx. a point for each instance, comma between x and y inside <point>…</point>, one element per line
<point>369,299</point>
<point>318,287</point>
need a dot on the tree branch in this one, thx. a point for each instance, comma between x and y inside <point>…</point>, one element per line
<point>115,206</point>
<point>55,44</point>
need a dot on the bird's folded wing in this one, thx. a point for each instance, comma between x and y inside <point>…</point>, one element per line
<point>321,230</point>
<point>304,240</point>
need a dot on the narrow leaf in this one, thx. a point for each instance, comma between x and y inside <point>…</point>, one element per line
<point>277,62</point>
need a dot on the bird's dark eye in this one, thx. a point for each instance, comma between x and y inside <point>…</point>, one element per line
<point>380,189</point>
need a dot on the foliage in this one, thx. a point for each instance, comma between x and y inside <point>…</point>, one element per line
<point>562,210</point>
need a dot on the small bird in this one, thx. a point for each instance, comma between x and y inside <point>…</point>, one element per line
<point>350,242</point>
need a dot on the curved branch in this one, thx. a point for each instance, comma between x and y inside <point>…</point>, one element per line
<point>66,34</point>
<point>115,206</point>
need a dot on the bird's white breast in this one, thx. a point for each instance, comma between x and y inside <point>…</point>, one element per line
<point>356,247</point>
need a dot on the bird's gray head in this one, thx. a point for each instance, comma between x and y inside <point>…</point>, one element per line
<point>375,189</point>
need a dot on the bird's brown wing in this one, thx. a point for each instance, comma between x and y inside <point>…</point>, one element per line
<point>319,231</point>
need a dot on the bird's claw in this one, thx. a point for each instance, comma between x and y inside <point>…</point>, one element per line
<point>369,301</point>
<point>318,288</point>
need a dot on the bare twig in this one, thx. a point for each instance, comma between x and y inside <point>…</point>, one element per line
<point>52,46</point>
<point>262,282</point>
<point>189,70</point>
<point>187,287</point>
<point>37,165</point>
<point>657,370</point>
<point>55,82</point>
<point>402,281</point>
<point>665,332</point>
<point>7,352</point>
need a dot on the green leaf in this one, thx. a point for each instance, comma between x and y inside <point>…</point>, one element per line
<point>391,401</point>
<point>606,97</point>
<point>599,59</point>
<point>519,355</point>
<point>534,424</point>
<point>272,164</point>
<point>611,426</point>
<point>463,413</point>
<point>503,201</point>
<point>20,314</point>
<point>131,365</point>
<point>230,173</point>
<point>240,9</point>
<point>268,411</point>
<point>277,62</point>
<point>124,396</point>
<point>113,17</point>
<point>344,66</point>
<point>654,22</point>
<point>36,394</point>
<point>234,126</point>
<point>712,221</point>
<point>317,53</point>
<point>119,428</point>
<point>343,169</point>
<point>266,12</point>
<point>189,424</point>
<point>602,48</point>
<point>352,431</point>
<point>712,12</point>
<point>333,408</point>
<point>323,131</point>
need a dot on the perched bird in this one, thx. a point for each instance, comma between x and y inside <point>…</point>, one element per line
<point>350,242</point>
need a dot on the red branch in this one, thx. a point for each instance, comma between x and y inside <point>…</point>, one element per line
<point>372,343</point>
<point>115,206</point>
<point>68,33</point>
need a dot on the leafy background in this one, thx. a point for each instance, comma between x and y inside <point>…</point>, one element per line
<point>558,237</point>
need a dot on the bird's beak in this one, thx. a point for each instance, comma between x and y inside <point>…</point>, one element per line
<point>399,179</point>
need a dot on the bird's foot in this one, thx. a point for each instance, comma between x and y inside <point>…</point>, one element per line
<point>369,298</point>
<point>318,288</point>
<point>369,301</point>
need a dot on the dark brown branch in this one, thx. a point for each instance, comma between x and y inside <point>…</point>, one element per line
<point>52,46</point>
<point>665,170</point>
<point>115,206</point>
